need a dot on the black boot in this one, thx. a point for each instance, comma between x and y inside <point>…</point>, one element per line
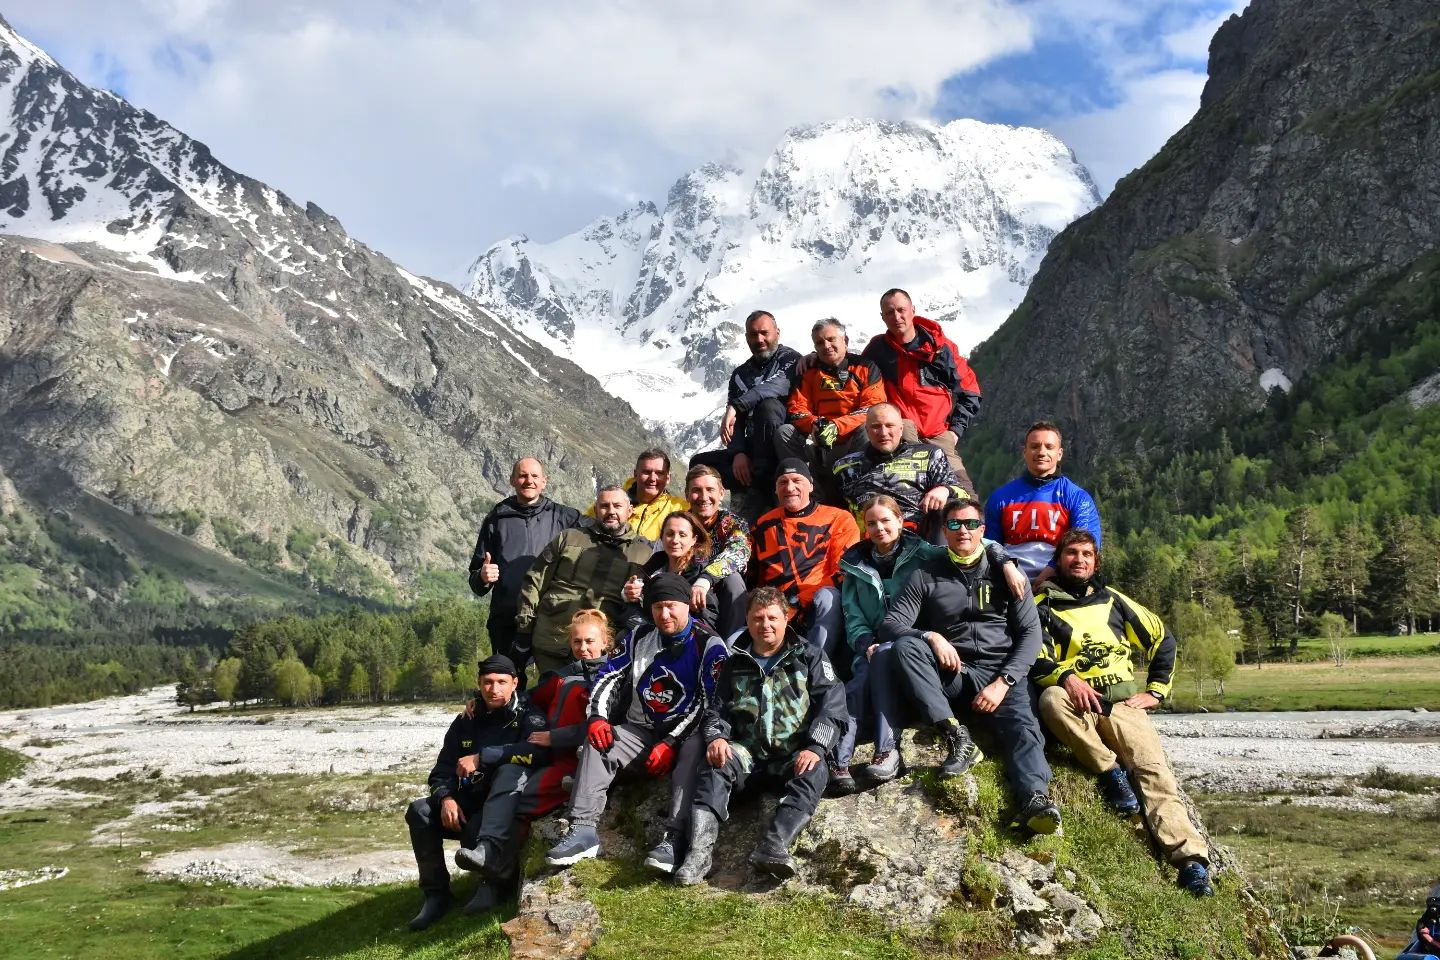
<point>436,905</point>
<point>772,854</point>
<point>704,831</point>
<point>486,897</point>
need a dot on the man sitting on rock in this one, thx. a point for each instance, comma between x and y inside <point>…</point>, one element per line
<point>828,402</point>
<point>583,567</point>
<point>650,502</point>
<point>798,546</point>
<point>754,411</point>
<point>476,788</point>
<point>648,699</point>
<point>777,713</point>
<point>916,475</point>
<point>963,641</point>
<point>1090,700</point>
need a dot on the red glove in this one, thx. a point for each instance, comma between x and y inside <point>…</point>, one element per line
<point>661,759</point>
<point>600,734</point>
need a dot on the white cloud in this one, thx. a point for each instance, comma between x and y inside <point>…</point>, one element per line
<point>432,129</point>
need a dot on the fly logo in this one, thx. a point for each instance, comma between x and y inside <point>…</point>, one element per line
<point>1029,522</point>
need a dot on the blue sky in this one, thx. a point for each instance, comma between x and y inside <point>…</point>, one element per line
<point>432,128</point>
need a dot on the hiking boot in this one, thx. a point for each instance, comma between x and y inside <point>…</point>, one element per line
<point>662,856</point>
<point>485,898</point>
<point>884,767</point>
<point>1040,814</point>
<point>580,842</point>
<point>704,831</point>
<point>960,751</point>
<point>1195,878</point>
<point>436,905</point>
<point>1115,784</point>
<point>485,856</point>
<point>842,784</point>
<point>772,853</point>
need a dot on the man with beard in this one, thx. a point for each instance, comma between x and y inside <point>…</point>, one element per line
<point>754,411</point>
<point>512,534</point>
<point>583,567</point>
<point>648,700</point>
<point>1090,700</point>
<point>476,789</point>
<point>777,714</point>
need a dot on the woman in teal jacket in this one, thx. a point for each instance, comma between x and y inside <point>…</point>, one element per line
<point>874,571</point>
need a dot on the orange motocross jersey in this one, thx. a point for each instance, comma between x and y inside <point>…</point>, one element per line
<point>842,396</point>
<point>800,553</point>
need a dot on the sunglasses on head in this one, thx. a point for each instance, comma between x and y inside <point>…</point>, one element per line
<point>963,523</point>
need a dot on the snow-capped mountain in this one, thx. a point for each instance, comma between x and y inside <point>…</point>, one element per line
<point>652,301</point>
<point>178,337</point>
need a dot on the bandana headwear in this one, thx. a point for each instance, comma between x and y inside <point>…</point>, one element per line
<point>666,586</point>
<point>498,663</point>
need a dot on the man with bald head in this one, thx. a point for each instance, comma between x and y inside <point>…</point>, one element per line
<point>917,475</point>
<point>511,536</point>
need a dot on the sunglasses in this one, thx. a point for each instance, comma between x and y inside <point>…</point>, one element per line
<point>963,523</point>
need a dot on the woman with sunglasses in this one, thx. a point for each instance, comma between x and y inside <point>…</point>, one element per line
<point>875,570</point>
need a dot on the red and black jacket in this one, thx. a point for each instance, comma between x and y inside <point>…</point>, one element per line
<point>929,381</point>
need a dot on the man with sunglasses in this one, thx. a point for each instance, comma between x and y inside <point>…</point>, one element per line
<point>963,642</point>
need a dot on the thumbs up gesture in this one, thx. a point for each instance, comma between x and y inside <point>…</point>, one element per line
<point>489,572</point>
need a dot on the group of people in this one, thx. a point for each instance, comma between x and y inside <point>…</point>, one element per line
<point>862,588</point>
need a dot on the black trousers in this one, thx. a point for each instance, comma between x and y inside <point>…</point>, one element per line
<point>758,444</point>
<point>501,628</point>
<point>938,695</point>
<point>491,813</point>
<point>716,785</point>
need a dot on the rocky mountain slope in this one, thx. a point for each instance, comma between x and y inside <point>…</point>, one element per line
<point>651,300</point>
<point>178,340</point>
<point>1296,217</point>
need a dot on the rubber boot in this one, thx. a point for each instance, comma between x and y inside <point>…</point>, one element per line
<point>486,897</point>
<point>772,854</point>
<point>436,905</point>
<point>435,882</point>
<point>704,831</point>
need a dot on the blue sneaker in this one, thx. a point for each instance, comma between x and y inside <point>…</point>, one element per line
<point>1195,878</point>
<point>1115,784</point>
<point>579,843</point>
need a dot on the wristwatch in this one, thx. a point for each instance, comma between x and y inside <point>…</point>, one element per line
<point>1009,680</point>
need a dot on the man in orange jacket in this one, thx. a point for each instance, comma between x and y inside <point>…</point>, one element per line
<point>797,551</point>
<point>829,401</point>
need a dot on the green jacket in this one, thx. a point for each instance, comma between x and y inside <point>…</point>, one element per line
<point>799,704</point>
<point>864,595</point>
<point>583,567</point>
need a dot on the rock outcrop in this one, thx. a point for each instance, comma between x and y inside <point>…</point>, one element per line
<point>1296,215</point>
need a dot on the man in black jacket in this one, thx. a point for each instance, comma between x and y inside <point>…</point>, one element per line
<point>511,536</point>
<point>476,787</point>
<point>963,640</point>
<point>777,715</point>
<point>754,410</point>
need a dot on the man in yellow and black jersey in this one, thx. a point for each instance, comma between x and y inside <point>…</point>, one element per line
<point>1091,700</point>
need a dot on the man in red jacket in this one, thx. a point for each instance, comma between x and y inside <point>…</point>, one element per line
<point>926,377</point>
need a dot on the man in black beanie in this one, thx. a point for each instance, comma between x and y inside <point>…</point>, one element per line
<point>648,700</point>
<point>476,788</point>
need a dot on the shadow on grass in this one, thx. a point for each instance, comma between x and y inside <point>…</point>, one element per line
<point>377,927</point>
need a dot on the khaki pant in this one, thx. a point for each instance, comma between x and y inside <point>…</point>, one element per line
<point>947,442</point>
<point>1127,737</point>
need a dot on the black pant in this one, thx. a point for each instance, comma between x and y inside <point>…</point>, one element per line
<point>490,813</point>
<point>758,443</point>
<point>716,784</point>
<point>939,695</point>
<point>501,628</point>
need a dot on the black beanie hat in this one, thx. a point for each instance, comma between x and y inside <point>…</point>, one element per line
<point>497,663</point>
<point>796,466</point>
<point>666,586</point>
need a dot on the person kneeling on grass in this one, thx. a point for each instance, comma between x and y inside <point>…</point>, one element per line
<point>475,790</point>
<point>648,699</point>
<point>1089,698</point>
<point>777,713</point>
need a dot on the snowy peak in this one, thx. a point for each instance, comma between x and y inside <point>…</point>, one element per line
<point>958,214</point>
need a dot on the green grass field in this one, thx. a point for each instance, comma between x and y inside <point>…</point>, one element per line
<point>1370,683</point>
<point>1370,645</point>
